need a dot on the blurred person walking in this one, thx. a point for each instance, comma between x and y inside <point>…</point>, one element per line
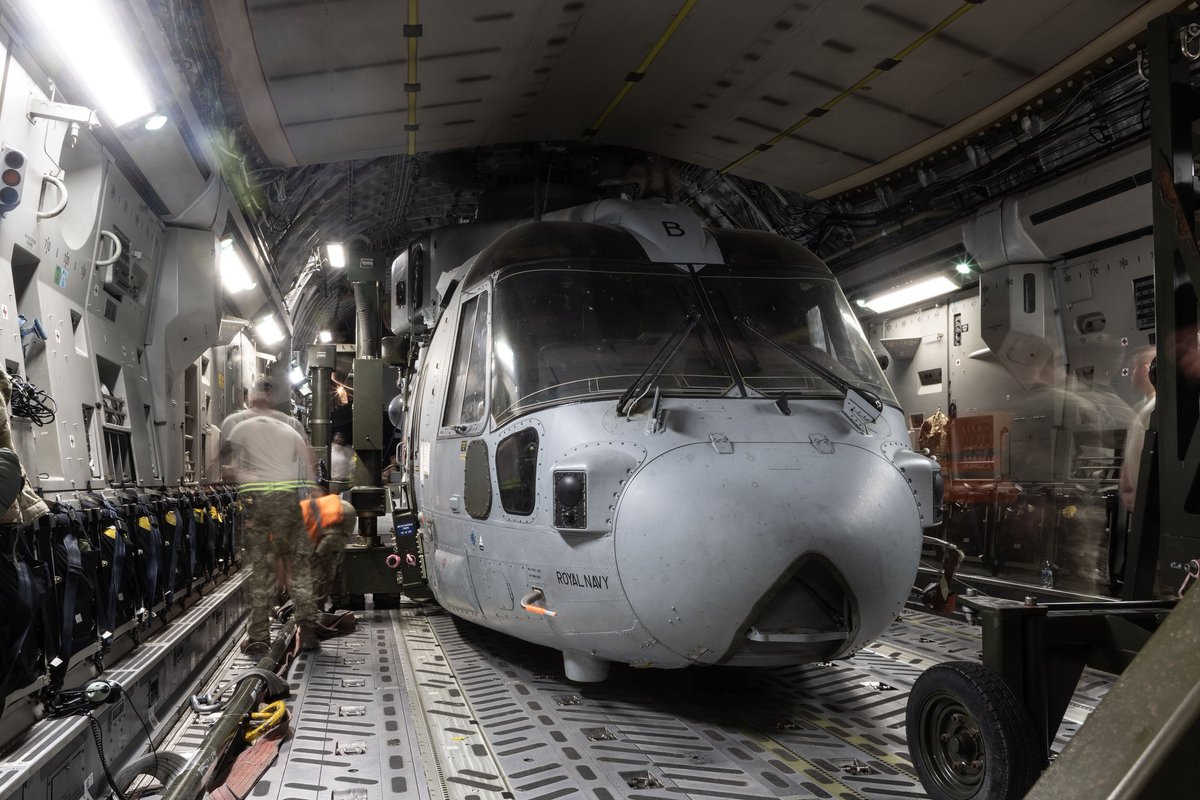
<point>272,464</point>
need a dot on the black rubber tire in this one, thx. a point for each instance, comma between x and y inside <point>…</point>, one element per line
<point>163,765</point>
<point>968,736</point>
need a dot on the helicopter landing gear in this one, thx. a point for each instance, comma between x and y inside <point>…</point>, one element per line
<point>584,668</point>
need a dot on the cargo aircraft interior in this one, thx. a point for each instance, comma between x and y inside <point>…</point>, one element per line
<point>599,399</point>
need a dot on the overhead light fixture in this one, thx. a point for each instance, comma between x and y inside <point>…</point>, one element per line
<point>89,41</point>
<point>963,268</point>
<point>335,253</point>
<point>155,122</point>
<point>913,293</point>
<point>234,275</point>
<point>325,337</point>
<point>268,331</point>
<point>297,376</point>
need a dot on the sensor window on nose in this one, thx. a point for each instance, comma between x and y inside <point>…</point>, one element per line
<point>570,499</point>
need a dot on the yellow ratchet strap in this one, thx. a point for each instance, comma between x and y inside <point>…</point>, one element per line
<point>264,720</point>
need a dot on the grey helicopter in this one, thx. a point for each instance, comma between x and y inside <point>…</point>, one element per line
<point>635,439</point>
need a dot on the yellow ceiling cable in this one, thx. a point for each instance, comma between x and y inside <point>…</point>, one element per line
<point>640,72</point>
<point>412,32</point>
<point>880,68</point>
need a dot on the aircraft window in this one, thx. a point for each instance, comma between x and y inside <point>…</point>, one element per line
<point>466,402</point>
<point>516,471</point>
<point>806,312</point>
<point>566,333</point>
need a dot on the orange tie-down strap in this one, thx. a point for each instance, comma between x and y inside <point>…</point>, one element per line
<point>251,764</point>
<point>329,509</point>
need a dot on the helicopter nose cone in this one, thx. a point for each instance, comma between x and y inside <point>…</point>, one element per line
<point>771,554</point>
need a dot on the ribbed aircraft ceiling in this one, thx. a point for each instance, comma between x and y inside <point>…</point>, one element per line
<point>808,96</point>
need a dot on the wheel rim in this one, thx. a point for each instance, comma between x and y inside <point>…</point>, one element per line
<point>951,745</point>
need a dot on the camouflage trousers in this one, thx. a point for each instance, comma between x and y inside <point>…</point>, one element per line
<point>277,545</point>
<point>327,559</point>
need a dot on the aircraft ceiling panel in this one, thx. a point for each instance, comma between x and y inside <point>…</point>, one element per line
<point>339,96</point>
<point>359,140</point>
<point>506,71</point>
<point>603,48</point>
<point>722,75</point>
<point>957,78</point>
<point>820,161</point>
<point>1036,35</point>
<point>303,37</point>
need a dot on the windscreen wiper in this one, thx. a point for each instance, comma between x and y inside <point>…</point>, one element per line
<point>862,406</point>
<point>641,386</point>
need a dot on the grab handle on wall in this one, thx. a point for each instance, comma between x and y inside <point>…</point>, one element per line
<point>106,262</point>
<point>57,183</point>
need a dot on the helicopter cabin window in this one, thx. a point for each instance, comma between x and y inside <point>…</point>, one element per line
<point>466,403</point>
<point>516,471</point>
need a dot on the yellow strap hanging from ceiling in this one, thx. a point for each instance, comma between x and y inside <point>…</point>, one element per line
<point>640,72</point>
<point>884,66</point>
<point>412,33</point>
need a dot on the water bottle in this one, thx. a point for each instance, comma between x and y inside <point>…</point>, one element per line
<point>1047,575</point>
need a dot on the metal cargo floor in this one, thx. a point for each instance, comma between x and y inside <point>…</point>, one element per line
<point>420,704</point>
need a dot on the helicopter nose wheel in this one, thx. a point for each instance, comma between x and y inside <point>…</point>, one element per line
<point>969,737</point>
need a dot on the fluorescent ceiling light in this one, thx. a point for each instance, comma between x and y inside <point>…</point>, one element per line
<point>913,293</point>
<point>325,337</point>
<point>97,50</point>
<point>336,253</point>
<point>296,376</point>
<point>234,275</point>
<point>268,330</point>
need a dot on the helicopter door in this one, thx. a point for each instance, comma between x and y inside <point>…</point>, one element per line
<point>466,407</point>
<point>461,460</point>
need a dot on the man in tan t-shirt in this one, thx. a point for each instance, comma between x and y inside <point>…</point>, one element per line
<point>272,465</point>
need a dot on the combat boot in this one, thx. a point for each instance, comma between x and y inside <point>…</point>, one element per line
<point>309,641</point>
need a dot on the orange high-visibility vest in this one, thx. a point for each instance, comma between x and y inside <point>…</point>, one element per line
<point>321,513</point>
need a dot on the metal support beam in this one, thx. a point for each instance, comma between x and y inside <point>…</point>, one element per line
<point>321,361</point>
<point>1174,491</point>
<point>1142,740</point>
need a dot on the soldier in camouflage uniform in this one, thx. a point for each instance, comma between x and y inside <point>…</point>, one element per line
<point>272,463</point>
<point>332,533</point>
<point>330,522</point>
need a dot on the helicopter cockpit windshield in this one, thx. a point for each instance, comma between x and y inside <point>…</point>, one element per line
<point>565,332</point>
<point>806,313</point>
<point>568,332</point>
